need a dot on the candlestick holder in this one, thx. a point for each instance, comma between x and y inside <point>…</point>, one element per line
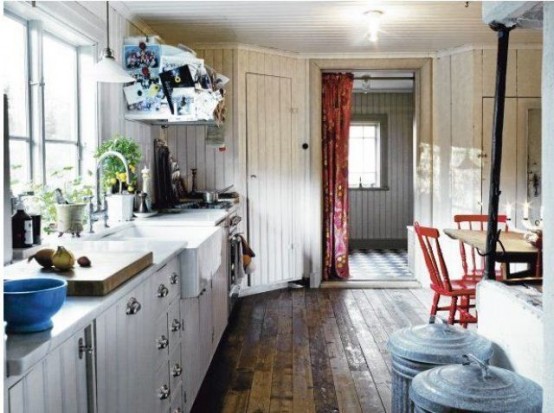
<point>535,227</point>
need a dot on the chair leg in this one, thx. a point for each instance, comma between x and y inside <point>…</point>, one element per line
<point>434,307</point>
<point>453,308</point>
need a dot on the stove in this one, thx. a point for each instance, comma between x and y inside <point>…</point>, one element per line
<point>205,205</point>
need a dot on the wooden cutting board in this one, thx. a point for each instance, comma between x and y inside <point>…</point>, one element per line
<point>107,272</point>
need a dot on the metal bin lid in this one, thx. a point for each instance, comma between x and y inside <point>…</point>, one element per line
<point>438,344</point>
<point>475,387</point>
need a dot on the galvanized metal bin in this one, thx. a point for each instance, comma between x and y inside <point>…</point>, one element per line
<point>474,387</point>
<point>420,348</point>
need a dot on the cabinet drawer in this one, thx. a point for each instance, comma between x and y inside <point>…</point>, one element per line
<point>176,370</point>
<point>160,345</point>
<point>164,286</point>
<point>162,390</point>
<point>177,399</point>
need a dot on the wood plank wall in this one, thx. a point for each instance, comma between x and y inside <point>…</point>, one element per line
<point>379,218</point>
<point>112,105</point>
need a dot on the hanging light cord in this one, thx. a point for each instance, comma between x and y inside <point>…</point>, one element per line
<point>108,24</point>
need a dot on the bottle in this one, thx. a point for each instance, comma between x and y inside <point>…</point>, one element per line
<point>22,228</point>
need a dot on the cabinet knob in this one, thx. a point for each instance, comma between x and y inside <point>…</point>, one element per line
<point>162,291</point>
<point>83,348</point>
<point>162,342</point>
<point>174,278</point>
<point>164,392</point>
<point>133,306</point>
<point>175,325</point>
<point>177,410</point>
<point>176,370</point>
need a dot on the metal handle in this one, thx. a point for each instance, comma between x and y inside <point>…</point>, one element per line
<point>470,358</point>
<point>174,278</point>
<point>253,176</point>
<point>176,370</point>
<point>203,291</point>
<point>83,348</point>
<point>162,291</point>
<point>175,325</point>
<point>162,342</point>
<point>133,306</point>
<point>164,392</point>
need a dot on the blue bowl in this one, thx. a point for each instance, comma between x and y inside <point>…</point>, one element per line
<point>30,303</point>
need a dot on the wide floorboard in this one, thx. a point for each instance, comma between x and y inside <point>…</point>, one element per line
<point>308,350</point>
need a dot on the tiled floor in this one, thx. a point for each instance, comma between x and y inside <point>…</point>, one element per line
<point>379,265</point>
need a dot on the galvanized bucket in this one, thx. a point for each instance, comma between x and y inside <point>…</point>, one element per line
<point>474,387</point>
<point>423,347</point>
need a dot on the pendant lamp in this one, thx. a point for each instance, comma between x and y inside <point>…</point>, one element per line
<point>107,70</point>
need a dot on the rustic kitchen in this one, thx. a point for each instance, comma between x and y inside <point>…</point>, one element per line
<point>285,206</point>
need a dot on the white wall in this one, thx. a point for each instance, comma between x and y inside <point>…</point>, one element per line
<point>548,200</point>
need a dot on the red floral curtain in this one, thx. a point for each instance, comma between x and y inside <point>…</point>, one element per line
<point>336,105</point>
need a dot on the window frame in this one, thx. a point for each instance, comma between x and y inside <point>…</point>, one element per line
<point>35,99</point>
<point>382,121</point>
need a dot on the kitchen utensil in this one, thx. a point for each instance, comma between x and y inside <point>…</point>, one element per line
<point>30,303</point>
<point>211,197</point>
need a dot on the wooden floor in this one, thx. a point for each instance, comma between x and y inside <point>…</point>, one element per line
<point>310,351</point>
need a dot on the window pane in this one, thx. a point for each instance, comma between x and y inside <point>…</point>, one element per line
<point>87,109</point>
<point>60,90</point>
<point>363,156</point>
<point>61,163</point>
<point>19,165</point>
<point>14,66</point>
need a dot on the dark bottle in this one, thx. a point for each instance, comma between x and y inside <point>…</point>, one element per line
<point>22,228</point>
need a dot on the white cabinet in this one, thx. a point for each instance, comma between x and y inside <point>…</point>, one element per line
<point>58,384</point>
<point>123,341</point>
<point>192,378</point>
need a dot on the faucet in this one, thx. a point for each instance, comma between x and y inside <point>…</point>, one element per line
<point>102,207</point>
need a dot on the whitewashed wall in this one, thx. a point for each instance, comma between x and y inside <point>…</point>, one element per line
<point>379,218</point>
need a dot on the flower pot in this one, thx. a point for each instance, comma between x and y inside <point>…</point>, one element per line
<point>70,218</point>
<point>120,207</point>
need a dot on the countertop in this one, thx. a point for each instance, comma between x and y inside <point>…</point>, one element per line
<point>25,350</point>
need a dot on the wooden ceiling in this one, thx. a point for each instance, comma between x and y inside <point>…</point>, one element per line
<point>316,27</point>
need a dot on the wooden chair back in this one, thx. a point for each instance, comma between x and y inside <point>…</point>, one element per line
<point>429,241</point>
<point>475,222</point>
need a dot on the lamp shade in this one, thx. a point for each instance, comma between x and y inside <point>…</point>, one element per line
<point>107,70</point>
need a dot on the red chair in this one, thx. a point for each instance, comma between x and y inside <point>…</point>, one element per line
<point>460,292</point>
<point>474,271</point>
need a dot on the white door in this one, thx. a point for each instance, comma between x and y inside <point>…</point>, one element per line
<point>270,166</point>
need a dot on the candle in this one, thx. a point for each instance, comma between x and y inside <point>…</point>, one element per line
<point>542,212</point>
<point>509,211</point>
<point>526,210</point>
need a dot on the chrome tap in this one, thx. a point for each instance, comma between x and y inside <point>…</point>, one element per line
<point>102,206</point>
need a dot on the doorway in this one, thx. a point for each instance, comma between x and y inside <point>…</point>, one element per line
<point>380,174</point>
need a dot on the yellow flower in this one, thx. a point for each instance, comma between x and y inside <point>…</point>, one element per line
<point>132,168</point>
<point>122,176</point>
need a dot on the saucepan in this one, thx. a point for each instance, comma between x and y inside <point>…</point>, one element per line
<point>211,197</point>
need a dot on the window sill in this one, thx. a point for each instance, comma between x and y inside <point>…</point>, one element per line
<point>380,188</point>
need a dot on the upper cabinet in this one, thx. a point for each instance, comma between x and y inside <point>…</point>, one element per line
<point>172,85</point>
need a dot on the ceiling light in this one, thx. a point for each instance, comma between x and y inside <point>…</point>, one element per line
<point>374,22</point>
<point>107,70</point>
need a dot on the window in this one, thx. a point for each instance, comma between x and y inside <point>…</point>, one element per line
<point>366,152</point>
<point>52,123</point>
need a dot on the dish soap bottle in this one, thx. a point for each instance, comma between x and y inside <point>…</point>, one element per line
<point>22,228</point>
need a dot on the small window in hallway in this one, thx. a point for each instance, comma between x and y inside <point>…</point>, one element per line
<point>364,157</point>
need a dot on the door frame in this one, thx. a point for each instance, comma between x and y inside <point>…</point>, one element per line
<point>423,139</point>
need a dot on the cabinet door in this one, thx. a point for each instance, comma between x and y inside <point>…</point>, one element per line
<point>206,337</point>
<point>192,378</point>
<point>57,384</point>
<point>124,364</point>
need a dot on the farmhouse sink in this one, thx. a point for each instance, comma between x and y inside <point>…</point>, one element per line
<point>193,236</point>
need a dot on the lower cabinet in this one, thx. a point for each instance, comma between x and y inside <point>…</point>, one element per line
<point>60,383</point>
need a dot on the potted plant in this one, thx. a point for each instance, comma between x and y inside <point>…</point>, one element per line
<point>114,177</point>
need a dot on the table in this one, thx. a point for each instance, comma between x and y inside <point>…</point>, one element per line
<point>516,249</point>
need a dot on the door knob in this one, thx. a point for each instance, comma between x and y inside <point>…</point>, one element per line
<point>253,176</point>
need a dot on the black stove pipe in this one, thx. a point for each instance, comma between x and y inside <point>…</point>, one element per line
<point>496,150</point>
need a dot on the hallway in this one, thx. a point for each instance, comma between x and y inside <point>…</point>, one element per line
<point>310,351</point>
